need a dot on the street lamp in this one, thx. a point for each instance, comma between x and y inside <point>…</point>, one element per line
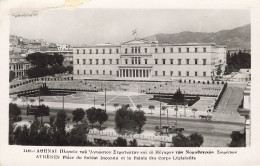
<point>176,109</point>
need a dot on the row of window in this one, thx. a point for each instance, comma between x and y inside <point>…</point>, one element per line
<point>137,60</point>
<point>155,73</point>
<point>135,50</point>
<point>180,74</point>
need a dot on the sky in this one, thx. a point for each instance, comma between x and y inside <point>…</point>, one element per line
<point>94,26</point>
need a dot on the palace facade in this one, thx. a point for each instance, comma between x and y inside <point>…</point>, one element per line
<point>140,59</point>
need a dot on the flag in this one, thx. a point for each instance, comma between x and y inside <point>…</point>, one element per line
<point>133,31</point>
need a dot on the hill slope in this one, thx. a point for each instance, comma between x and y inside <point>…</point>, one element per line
<point>239,38</point>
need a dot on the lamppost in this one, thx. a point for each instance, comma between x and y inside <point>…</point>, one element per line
<point>176,109</point>
<point>94,102</point>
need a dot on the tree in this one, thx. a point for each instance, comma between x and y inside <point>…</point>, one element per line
<point>151,107</point>
<point>164,108</point>
<point>11,75</point>
<point>194,110</point>
<point>178,96</point>
<point>32,101</point>
<point>92,115</point>
<point>121,118</point>
<point>193,140</point>
<point>181,141</point>
<point>43,111</point>
<point>78,135</point>
<point>196,140</point>
<point>101,116</point>
<point>139,106</point>
<point>116,105</point>
<point>14,111</point>
<point>219,70</point>
<point>120,142</point>
<point>133,143</point>
<point>78,115</point>
<point>139,120</point>
<point>238,139</point>
<point>61,122</point>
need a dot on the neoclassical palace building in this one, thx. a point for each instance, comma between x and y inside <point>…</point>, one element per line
<point>140,59</point>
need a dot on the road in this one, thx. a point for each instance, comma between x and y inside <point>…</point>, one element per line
<point>215,133</point>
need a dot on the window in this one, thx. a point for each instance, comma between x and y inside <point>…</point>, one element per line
<point>171,60</point>
<point>171,50</point>
<point>117,51</point>
<point>77,61</point>
<point>145,61</point>
<point>90,72</point>
<point>179,73</point>
<point>84,61</point>
<point>204,61</point>
<point>139,60</point>
<point>110,72</point>
<point>179,50</point>
<point>84,71</point>
<point>104,61</point>
<point>187,61</point>
<point>179,61</point>
<point>77,71</point>
<point>126,51</point>
<point>110,51</point>
<point>97,72</point>
<point>132,50</point>
<point>110,61</point>
<point>84,51</point>
<point>163,73</point>
<point>196,49</point>
<point>163,61</point>
<point>90,61</point>
<point>133,60</point>
<point>139,50</point>
<point>204,73</point>
<point>96,61</point>
<point>196,61</point>
<point>117,73</point>
<point>103,51</point>
<point>163,50</point>
<point>117,61</point>
<point>126,61</point>
<point>187,73</point>
<point>156,73</point>
<point>145,50</point>
<point>204,49</point>
<point>96,51</point>
<point>188,49</point>
<point>156,50</point>
<point>77,51</point>
<point>156,61</point>
<point>135,49</point>
<point>171,73</point>
<point>196,73</point>
<point>104,72</point>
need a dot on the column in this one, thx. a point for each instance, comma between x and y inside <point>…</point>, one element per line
<point>120,72</point>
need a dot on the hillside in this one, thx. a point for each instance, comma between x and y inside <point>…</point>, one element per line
<point>239,38</point>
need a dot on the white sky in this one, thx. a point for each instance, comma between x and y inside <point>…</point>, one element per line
<point>93,26</point>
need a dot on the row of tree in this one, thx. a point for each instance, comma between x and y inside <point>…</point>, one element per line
<point>237,61</point>
<point>44,64</point>
<point>128,119</point>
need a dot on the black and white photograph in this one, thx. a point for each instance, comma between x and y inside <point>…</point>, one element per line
<point>130,78</point>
